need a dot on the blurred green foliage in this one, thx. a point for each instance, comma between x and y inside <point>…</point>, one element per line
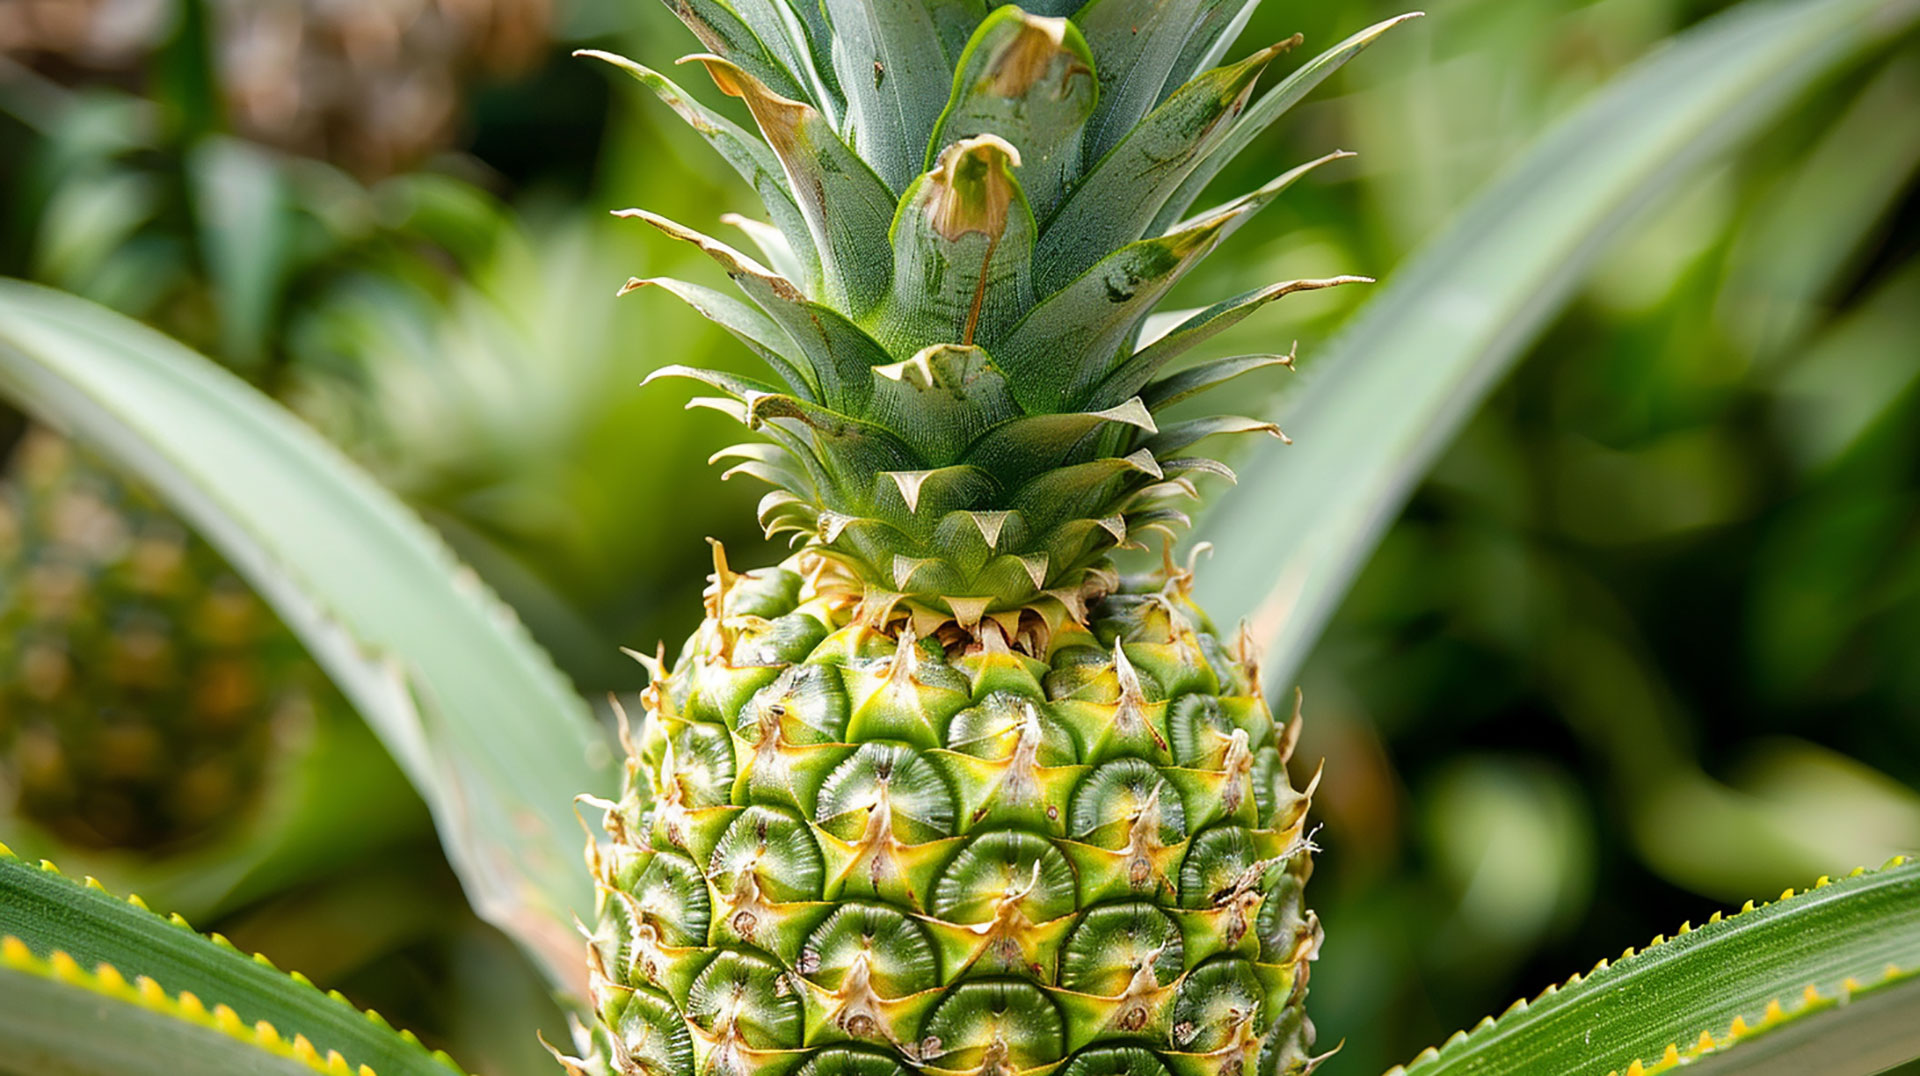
<point>1640,647</point>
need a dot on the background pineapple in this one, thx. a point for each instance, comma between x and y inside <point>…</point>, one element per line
<point>142,678</point>
<point>946,791</point>
<point>376,85</point>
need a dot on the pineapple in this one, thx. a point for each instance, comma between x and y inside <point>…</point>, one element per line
<point>142,685</point>
<point>946,792</point>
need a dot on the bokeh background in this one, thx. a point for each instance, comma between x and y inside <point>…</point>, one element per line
<point>1641,647</point>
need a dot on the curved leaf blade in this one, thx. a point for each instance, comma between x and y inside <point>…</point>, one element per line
<point>749,157</point>
<point>54,1012</point>
<point>1395,387</point>
<point>1874,1031</point>
<point>56,929</point>
<point>477,716</point>
<point>1833,972</point>
<point>48,912</point>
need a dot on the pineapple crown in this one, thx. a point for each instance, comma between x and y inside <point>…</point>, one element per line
<point>972,215</point>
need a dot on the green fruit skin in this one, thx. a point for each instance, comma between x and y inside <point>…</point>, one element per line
<point>844,850</point>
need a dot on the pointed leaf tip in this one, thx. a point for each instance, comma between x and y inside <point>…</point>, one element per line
<point>1278,48</point>
<point>1019,62</point>
<point>1132,412</point>
<point>973,187</point>
<point>1029,79</point>
<point>731,79</point>
<point>603,56</point>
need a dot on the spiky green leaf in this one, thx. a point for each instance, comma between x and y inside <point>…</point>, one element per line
<point>1193,380</point>
<point>1262,113</point>
<point>1124,190</point>
<point>747,324</point>
<point>785,32</point>
<point>1138,44</point>
<point>51,1025</point>
<point>1197,328</point>
<point>726,34</point>
<point>840,356</point>
<point>955,392</point>
<point>1068,346</point>
<point>1828,979</point>
<point>44,913</point>
<point>1017,450</point>
<point>1215,28</point>
<point>847,206</point>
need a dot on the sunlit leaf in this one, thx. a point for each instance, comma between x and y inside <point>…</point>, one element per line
<point>1828,980</point>
<point>1384,399</point>
<point>473,711</point>
<point>73,955</point>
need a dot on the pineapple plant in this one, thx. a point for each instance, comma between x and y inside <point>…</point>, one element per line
<point>948,791</point>
<point>894,809</point>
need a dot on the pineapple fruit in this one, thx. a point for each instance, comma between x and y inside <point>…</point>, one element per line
<point>946,792</point>
<point>143,687</point>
